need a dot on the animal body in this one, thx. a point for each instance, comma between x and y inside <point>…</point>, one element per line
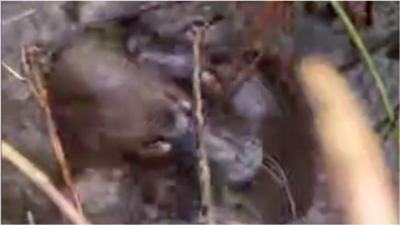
<point>109,110</point>
<point>106,107</point>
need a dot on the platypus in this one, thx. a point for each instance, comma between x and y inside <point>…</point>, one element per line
<point>105,106</point>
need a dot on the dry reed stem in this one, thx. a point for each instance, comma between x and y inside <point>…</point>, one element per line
<point>206,212</point>
<point>357,174</point>
<point>12,71</point>
<point>43,182</point>
<point>31,65</point>
<point>20,16</point>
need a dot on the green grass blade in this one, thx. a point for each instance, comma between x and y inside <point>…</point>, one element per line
<point>355,37</point>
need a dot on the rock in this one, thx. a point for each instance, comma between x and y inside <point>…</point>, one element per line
<point>254,101</point>
<point>235,154</point>
<point>168,55</point>
<point>94,12</point>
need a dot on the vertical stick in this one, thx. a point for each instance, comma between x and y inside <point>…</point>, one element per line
<point>206,212</point>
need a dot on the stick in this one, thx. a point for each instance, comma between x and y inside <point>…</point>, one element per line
<point>20,16</point>
<point>244,75</point>
<point>12,71</point>
<point>206,212</point>
<point>32,66</point>
<point>43,182</point>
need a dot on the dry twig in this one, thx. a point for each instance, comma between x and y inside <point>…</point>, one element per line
<point>20,16</point>
<point>206,213</point>
<point>43,182</point>
<point>32,60</point>
<point>12,71</point>
<point>244,75</point>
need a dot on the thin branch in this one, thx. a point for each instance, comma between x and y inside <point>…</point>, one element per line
<point>206,212</point>
<point>18,76</point>
<point>244,75</point>
<point>20,16</point>
<point>33,66</point>
<point>34,88</point>
<point>43,182</point>
<point>355,37</point>
<point>12,71</point>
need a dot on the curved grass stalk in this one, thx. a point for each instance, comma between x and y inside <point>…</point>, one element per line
<point>355,37</point>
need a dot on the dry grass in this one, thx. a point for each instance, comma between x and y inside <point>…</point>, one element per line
<point>42,181</point>
<point>33,62</point>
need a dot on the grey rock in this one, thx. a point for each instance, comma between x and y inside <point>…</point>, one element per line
<point>91,12</point>
<point>234,158</point>
<point>254,101</point>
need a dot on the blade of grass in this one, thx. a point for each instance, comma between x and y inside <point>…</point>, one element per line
<point>355,37</point>
<point>12,71</point>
